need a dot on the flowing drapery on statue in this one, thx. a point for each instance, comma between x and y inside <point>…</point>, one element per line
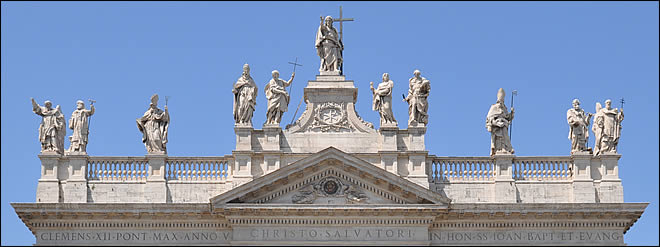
<point>245,97</point>
<point>278,98</point>
<point>52,128</point>
<point>382,100</point>
<point>328,46</point>
<point>607,128</point>
<point>79,123</point>
<point>417,99</point>
<point>578,122</point>
<point>153,125</point>
<point>497,123</point>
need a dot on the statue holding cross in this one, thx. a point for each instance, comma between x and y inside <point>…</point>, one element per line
<point>329,45</point>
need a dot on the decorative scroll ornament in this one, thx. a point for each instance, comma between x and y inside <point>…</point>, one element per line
<point>329,187</point>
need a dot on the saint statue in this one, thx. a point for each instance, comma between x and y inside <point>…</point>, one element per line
<point>607,128</point>
<point>328,46</point>
<point>245,97</point>
<point>497,123</point>
<point>417,99</point>
<point>382,101</point>
<point>79,123</point>
<point>153,125</point>
<point>278,98</point>
<point>578,122</point>
<point>52,128</point>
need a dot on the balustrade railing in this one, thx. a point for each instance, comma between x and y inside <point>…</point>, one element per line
<point>447,169</point>
<point>117,168</point>
<point>197,168</point>
<point>542,168</point>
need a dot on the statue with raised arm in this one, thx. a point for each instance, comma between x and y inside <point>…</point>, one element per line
<point>578,122</point>
<point>497,123</point>
<point>418,93</point>
<point>382,100</point>
<point>245,97</point>
<point>153,125</point>
<point>79,123</point>
<point>328,46</point>
<point>607,128</point>
<point>52,128</point>
<point>278,98</point>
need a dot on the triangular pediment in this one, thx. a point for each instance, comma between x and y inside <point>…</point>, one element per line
<point>330,177</point>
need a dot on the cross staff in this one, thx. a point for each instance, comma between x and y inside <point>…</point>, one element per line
<point>514,93</point>
<point>166,99</point>
<point>89,121</point>
<point>622,102</point>
<point>294,68</point>
<point>341,35</point>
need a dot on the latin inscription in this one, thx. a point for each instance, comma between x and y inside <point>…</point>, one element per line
<point>331,234</point>
<point>133,236</point>
<point>524,236</point>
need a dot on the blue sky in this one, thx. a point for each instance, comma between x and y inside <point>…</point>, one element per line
<point>120,53</point>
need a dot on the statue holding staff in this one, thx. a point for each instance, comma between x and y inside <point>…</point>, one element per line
<point>278,98</point>
<point>245,97</point>
<point>497,123</point>
<point>79,123</point>
<point>52,128</point>
<point>578,122</point>
<point>153,125</point>
<point>329,47</point>
<point>382,100</point>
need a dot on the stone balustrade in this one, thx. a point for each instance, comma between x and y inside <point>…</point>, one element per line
<point>197,168</point>
<point>447,169</point>
<point>543,168</point>
<point>107,168</point>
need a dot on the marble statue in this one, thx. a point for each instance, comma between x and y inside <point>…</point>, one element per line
<point>497,123</point>
<point>245,97</point>
<point>52,128</point>
<point>328,46</point>
<point>278,98</point>
<point>79,123</point>
<point>382,100</point>
<point>607,128</point>
<point>417,99</point>
<point>578,122</point>
<point>153,125</point>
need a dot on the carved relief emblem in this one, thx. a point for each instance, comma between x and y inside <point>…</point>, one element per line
<point>329,187</point>
<point>330,117</point>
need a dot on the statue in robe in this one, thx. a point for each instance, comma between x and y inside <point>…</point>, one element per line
<point>607,128</point>
<point>382,100</point>
<point>153,125</point>
<point>578,122</point>
<point>328,46</point>
<point>497,123</point>
<point>245,97</point>
<point>278,98</point>
<point>52,128</point>
<point>79,123</point>
<point>418,93</point>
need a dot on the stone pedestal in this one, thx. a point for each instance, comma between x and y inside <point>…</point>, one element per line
<point>242,167</point>
<point>505,188</point>
<point>388,136</point>
<point>48,187</point>
<point>417,169</point>
<point>271,138</point>
<point>611,190</point>
<point>243,137</point>
<point>583,183</point>
<point>75,189</point>
<point>155,191</point>
<point>416,135</point>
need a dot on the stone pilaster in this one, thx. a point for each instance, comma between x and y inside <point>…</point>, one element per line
<point>75,188</point>
<point>583,183</point>
<point>611,190</point>
<point>48,186</point>
<point>155,191</point>
<point>243,137</point>
<point>271,162</point>
<point>242,167</point>
<point>417,169</point>
<point>505,185</point>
